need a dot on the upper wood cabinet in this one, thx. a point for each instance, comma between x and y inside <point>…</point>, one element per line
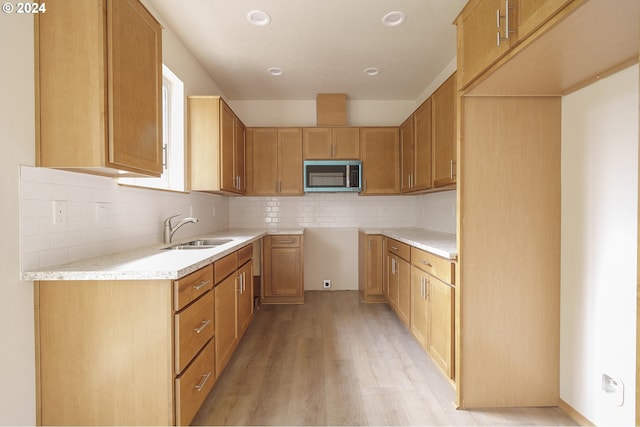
<point>531,14</point>
<point>415,135</point>
<point>275,160</point>
<point>380,150</point>
<point>331,143</point>
<point>407,155</point>
<point>99,88</point>
<point>444,155</point>
<point>217,144</point>
<point>487,29</point>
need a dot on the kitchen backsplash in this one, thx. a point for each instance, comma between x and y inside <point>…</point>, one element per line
<point>103,217</point>
<point>434,211</point>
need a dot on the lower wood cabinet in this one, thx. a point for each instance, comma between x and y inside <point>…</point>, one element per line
<point>432,304</point>
<point>137,352</point>
<point>283,270</point>
<point>226,311</point>
<point>418,286</point>
<point>370,267</point>
<point>399,277</point>
<point>245,289</point>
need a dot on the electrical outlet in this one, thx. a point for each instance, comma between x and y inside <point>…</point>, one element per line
<point>104,214</point>
<point>59,212</point>
<point>326,284</point>
<point>613,389</point>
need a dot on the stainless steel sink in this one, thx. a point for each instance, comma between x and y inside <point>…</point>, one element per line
<point>200,244</point>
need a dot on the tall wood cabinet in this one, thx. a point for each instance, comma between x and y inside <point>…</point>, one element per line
<point>217,146</point>
<point>283,269</point>
<point>380,151</point>
<point>275,156</point>
<point>370,267</point>
<point>508,229</point>
<point>99,88</point>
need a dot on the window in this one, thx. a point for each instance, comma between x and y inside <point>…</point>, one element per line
<point>173,176</point>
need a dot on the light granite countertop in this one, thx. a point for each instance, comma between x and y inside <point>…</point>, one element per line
<point>152,262</point>
<point>436,242</point>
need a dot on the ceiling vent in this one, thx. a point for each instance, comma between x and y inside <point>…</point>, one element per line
<point>331,109</point>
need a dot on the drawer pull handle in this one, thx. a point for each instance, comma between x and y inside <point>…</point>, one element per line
<point>428,264</point>
<point>201,285</point>
<point>204,380</point>
<point>205,323</point>
<point>394,248</point>
<point>285,241</point>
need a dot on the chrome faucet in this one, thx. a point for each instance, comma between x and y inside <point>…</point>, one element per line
<point>169,230</point>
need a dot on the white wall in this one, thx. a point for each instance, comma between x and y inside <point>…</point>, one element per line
<point>599,246</point>
<point>17,388</point>
<point>303,113</point>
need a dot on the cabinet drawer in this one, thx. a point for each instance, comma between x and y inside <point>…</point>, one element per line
<point>401,249</point>
<point>433,264</point>
<point>225,266</point>
<point>245,254</point>
<point>283,241</point>
<point>192,286</point>
<point>193,386</point>
<point>194,326</point>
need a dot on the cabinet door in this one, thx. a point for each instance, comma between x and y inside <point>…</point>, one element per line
<point>419,306</point>
<point>245,297</point>
<point>289,161</point>
<point>285,272</point>
<point>240,156</point>
<point>346,143</point>
<point>374,266</point>
<point>227,148</point>
<point>380,151</point>
<point>407,154</point>
<point>444,133</point>
<point>422,160</point>
<point>392,281</point>
<point>134,70</point>
<point>477,38</point>
<point>264,165</point>
<point>441,324</point>
<point>531,14</point>
<point>403,272</point>
<point>226,329</point>
<point>317,143</point>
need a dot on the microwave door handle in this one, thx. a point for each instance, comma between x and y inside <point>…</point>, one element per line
<point>348,176</point>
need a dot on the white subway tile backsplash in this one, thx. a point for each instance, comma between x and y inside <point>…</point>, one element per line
<point>137,214</point>
<point>135,221</point>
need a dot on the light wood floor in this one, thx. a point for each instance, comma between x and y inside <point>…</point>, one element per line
<point>338,361</point>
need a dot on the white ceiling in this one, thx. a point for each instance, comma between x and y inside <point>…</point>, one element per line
<point>323,46</point>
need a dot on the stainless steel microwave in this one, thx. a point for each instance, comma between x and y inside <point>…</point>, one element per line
<point>328,176</point>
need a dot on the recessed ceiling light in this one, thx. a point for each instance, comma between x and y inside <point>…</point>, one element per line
<point>258,18</point>
<point>275,71</point>
<point>372,71</point>
<point>393,19</point>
